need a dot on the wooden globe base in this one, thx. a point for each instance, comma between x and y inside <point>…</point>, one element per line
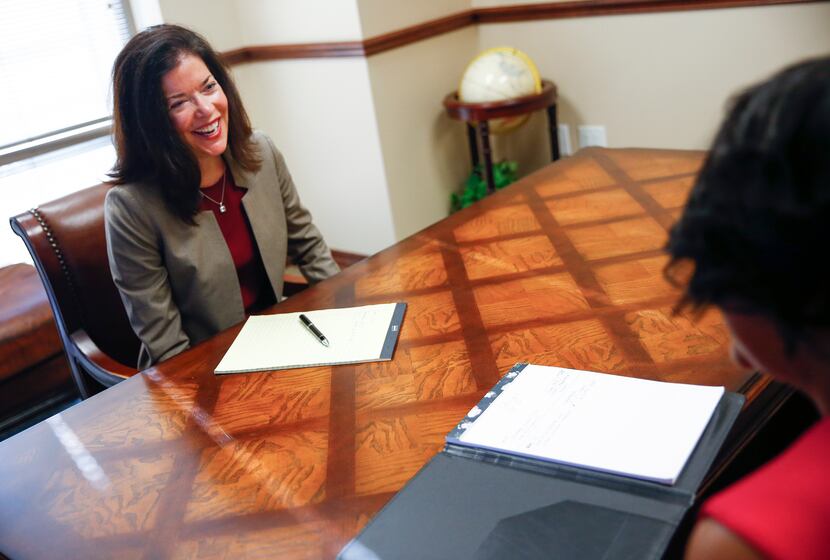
<point>476,115</point>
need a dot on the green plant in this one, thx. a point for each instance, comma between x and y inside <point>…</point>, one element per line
<point>475,187</point>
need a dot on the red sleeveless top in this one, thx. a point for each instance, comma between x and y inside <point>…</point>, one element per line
<point>782,510</point>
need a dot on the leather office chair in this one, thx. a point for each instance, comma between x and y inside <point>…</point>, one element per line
<point>68,246</point>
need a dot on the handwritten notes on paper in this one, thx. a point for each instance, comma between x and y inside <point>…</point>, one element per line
<point>634,427</point>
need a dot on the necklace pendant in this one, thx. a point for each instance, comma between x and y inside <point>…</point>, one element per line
<point>222,208</point>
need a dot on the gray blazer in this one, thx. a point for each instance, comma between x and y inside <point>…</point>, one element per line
<point>178,281</point>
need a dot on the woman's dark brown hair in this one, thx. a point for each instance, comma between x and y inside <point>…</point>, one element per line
<point>148,148</point>
<point>757,220</point>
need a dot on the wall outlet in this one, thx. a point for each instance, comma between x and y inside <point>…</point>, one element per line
<point>592,135</point>
<point>563,131</point>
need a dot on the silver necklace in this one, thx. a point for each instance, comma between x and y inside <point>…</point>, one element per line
<point>221,201</point>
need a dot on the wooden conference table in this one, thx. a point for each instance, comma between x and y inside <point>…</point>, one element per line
<point>562,268</point>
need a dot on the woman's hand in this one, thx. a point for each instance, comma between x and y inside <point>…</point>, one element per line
<point>712,541</point>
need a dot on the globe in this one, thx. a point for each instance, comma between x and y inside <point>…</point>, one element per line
<point>499,74</point>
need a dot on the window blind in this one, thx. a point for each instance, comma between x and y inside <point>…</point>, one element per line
<point>55,62</point>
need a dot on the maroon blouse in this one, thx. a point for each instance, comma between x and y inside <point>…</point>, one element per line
<point>257,293</point>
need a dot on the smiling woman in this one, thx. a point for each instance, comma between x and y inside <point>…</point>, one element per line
<point>199,113</point>
<point>205,212</point>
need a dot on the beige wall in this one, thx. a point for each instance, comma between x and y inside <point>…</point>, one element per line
<point>383,16</point>
<point>293,21</point>
<point>659,80</point>
<point>424,152</point>
<point>236,23</point>
<point>216,20</point>
<point>495,3</point>
<point>320,115</point>
<point>367,140</point>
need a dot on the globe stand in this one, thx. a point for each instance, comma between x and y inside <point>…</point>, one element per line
<point>476,116</point>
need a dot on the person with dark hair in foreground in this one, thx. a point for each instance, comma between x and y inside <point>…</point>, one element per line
<point>755,230</point>
<point>204,213</point>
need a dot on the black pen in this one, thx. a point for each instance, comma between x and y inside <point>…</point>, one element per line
<point>314,330</point>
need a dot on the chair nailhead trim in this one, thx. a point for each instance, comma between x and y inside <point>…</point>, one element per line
<point>53,242</point>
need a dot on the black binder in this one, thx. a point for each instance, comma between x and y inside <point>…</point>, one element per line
<point>473,503</point>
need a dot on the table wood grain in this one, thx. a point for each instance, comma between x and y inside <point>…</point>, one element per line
<point>562,268</point>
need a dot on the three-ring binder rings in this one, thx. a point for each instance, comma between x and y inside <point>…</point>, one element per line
<point>355,334</point>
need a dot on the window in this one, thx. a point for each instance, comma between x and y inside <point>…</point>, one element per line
<point>55,62</point>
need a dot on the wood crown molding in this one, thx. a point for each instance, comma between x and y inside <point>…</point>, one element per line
<point>588,8</point>
<point>499,14</point>
<point>419,32</point>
